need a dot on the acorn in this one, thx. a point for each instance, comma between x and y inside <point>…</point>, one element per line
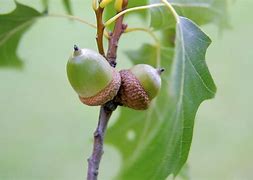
<point>139,85</point>
<point>92,77</point>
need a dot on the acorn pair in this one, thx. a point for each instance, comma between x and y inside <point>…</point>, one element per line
<point>96,82</point>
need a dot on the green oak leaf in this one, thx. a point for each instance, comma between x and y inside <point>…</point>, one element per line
<point>12,28</point>
<point>155,143</point>
<point>200,11</point>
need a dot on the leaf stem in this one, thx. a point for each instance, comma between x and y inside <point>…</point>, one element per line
<point>165,3</point>
<point>73,18</point>
<point>77,19</point>
<point>111,20</point>
<point>146,30</point>
<point>173,11</point>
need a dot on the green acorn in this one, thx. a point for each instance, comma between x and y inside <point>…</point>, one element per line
<point>92,77</point>
<point>139,85</point>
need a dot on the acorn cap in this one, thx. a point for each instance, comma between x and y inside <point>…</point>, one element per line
<point>105,95</point>
<point>139,85</point>
<point>131,92</point>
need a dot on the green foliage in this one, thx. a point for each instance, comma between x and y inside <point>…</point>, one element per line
<point>163,133</point>
<point>200,11</point>
<point>170,120</point>
<point>13,26</point>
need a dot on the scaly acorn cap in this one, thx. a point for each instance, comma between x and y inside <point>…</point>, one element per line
<point>92,77</point>
<point>139,85</point>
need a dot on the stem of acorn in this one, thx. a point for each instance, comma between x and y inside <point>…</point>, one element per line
<point>107,109</point>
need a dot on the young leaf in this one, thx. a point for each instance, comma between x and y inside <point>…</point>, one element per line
<point>12,27</point>
<point>201,12</point>
<point>155,143</point>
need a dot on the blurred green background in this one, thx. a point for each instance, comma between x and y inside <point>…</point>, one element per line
<point>46,133</point>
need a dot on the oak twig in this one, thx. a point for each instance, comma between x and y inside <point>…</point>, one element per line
<point>114,37</point>
<point>107,109</point>
<point>94,160</point>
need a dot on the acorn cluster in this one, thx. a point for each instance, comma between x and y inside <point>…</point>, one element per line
<point>96,82</point>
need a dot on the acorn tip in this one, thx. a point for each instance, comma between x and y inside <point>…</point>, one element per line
<point>76,48</point>
<point>160,70</point>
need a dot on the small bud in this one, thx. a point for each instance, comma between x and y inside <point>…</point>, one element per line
<point>94,4</point>
<point>104,3</point>
<point>118,5</point>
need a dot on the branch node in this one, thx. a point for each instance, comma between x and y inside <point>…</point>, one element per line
<point>96,134</point>
<point>124,27</point>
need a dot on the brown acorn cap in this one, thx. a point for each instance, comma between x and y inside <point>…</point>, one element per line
<point>105,95</point>
<point>131,93</point>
